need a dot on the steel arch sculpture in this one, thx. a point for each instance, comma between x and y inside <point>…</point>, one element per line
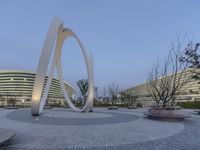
<point>57,34</point>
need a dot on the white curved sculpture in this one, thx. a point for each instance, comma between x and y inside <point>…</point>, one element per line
<point>59,34</point>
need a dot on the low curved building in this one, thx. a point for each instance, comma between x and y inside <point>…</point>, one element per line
<point>19,85</point>
<point>189,92</point>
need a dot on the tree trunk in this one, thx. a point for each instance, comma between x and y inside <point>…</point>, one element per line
<point>164,104</point>
<point>157,103</point>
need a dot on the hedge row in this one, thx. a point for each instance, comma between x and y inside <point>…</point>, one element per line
<point>190,105</point>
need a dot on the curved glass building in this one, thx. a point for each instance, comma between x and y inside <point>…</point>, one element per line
<point>19,85</point>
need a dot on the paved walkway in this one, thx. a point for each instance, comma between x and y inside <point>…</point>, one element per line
<point>111,129</point>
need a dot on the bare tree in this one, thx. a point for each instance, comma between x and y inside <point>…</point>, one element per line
<point>2,99</point>
<point>83,86</point>
<point>113,89</point>
<point>168,78</point>
<point>12,101</point>
<point>123,97</point>
<point>192,56</point>
<point>104,92</point>
<point>96,92</point>
<point>132,100</point>
<point>127,98</point>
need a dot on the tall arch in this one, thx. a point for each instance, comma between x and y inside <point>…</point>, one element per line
<point>57,35</point>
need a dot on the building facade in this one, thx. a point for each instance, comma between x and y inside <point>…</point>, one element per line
<point>189,92</point>
<point>19,85</point>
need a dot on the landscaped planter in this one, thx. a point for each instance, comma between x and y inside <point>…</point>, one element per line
<point>131,107</point>
<point>178,107</point>
<point>11,107</point>
<point>6,135</point>
<point>169,113</point>
<point>47,107</point>
<point>197,111</point>
<point>112,107</point>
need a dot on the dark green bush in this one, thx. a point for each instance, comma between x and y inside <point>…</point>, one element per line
<point>108,104</point>
<point>190,105</point>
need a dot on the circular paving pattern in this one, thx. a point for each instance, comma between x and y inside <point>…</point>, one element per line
<point>116,129</point>
<point>64,117</point>
<point>188,139</point>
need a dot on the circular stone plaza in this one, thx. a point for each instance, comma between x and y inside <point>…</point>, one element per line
<point>61,128</point>
<point>40,111</point>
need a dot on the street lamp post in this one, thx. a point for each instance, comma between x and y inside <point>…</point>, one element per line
<point>23,102</point>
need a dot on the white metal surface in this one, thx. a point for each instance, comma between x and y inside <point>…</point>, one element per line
<point>58,34</point>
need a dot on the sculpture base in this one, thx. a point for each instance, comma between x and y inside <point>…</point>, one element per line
<point>35,115</point>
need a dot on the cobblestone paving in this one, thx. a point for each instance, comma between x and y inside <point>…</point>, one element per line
<point>188,139</point>
<point>136,133</point>
<point>60,117</point>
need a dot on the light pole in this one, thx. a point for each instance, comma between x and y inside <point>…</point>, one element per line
<point>23,102</point>
<point>118,96</point>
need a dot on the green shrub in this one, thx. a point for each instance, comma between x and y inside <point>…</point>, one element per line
<point>108,104</point>
<point>190,105</point>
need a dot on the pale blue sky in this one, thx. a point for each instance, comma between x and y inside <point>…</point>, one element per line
<point>124,36</point>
